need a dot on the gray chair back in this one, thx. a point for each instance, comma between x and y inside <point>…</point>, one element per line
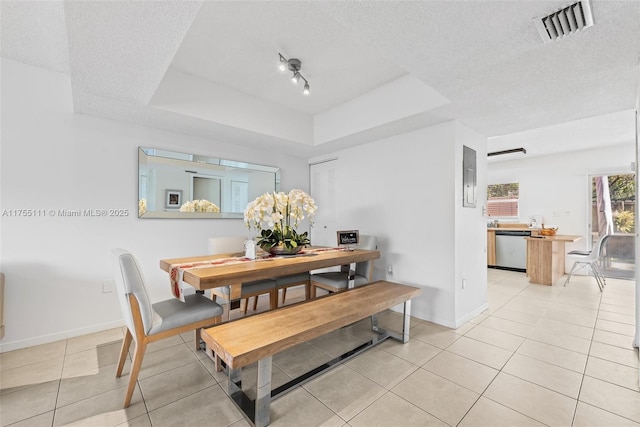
<point>129,280</point>
<point>370,243</point>
<point>221,245</point>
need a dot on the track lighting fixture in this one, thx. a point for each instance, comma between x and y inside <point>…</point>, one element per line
<point>510,151</point>
<point>294,65</point>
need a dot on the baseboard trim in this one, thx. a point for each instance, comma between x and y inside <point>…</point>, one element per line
<point>46,339</point>
<point>464,319</point>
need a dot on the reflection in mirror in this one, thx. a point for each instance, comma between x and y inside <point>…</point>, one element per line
<point>179,185</point>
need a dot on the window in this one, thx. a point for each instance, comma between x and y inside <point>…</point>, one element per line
<point>613,205</point>
<point>502,199</point>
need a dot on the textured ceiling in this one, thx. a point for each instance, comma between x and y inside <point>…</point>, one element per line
<point>336,68</point>
<point>485,58</point>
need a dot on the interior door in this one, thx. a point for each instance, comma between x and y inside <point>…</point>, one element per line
<point>322,177</point>
<point>205,188</point>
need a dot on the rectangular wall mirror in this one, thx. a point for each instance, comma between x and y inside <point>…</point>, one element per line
<point>169,182</point>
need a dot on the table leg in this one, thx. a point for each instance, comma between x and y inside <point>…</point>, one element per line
<point>374,322</point>
<point>351,276</point>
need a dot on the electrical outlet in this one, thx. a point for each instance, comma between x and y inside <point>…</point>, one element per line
<point>107,286</point>
<point>390,270</point>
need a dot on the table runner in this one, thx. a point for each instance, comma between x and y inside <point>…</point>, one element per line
<point>176,270</point>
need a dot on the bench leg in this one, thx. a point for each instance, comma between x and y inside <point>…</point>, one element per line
<point>406,324</point>
<point>234,381</point>
<point>257,411</point>
<point>263,393</point>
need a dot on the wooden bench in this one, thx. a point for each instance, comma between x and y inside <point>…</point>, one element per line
<point>258,338</point>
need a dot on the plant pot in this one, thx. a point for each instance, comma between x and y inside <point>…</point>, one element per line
<point>283,250</point>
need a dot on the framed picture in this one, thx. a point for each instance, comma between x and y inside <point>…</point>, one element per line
<point>348,237</point>
<point>173,199</point>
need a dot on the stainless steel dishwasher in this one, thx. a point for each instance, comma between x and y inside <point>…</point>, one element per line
<point>511,249</point>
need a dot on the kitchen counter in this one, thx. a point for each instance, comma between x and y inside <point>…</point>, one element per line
<point>545,257</point>
<point>512,229</point>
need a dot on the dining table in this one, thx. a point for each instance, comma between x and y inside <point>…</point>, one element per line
<point>232,269</point>
<point>208,272</point>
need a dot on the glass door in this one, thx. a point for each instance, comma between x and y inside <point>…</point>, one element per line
<point>612,212</point>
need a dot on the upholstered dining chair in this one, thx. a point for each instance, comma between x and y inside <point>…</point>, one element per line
<point>589,259</point>
<point>147,322</point>
<point>234,244</point>
<point>338,281</point>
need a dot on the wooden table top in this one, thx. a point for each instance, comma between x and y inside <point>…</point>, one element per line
<point>203,278</point>
<point>252,338</point>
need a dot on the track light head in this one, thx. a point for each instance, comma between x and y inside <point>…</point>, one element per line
<point>306,88</point>
<point>282,66</point>
<point>296,77</point>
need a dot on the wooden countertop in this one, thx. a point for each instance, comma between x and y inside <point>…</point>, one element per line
<point>512,229</point>
<point>557,238</point>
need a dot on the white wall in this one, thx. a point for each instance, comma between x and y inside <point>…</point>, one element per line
<point>405,190</point>
<point>470,232</point>
<point>55,159</point>
<point>553,185</point>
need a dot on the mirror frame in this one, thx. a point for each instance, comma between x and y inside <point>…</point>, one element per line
<point>185,160</point>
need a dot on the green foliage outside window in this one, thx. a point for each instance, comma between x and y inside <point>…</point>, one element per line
<point>625,221</point>
<point>511,189</point>
<point>621,187</point>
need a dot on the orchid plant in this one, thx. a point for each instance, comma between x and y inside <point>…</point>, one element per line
<point>199,206</point>
<point>276,216</point>
<point>142,207</point>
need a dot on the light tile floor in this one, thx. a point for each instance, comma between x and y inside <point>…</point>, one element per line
<point>539,355</point>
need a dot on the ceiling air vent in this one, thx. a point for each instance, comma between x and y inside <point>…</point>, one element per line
<point>564,22</point>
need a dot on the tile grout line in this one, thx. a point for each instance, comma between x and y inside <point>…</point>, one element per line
<point>505,363</point>
<point>499,370</point>
<point>575,410</point>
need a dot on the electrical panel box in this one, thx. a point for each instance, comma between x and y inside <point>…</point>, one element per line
<point>469,177</point>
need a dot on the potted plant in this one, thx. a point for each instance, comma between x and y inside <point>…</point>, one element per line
<point>276,216</point>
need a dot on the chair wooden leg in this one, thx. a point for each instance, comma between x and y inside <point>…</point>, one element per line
<point>198,337</point>
<point>246,305</point>
<point>284,295</point>
<point>273,299</point>
<point>138,355</point>
<point>307,291</point>
<point>312,291</point>
<point>255,302</point>
<point>124,352</point>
